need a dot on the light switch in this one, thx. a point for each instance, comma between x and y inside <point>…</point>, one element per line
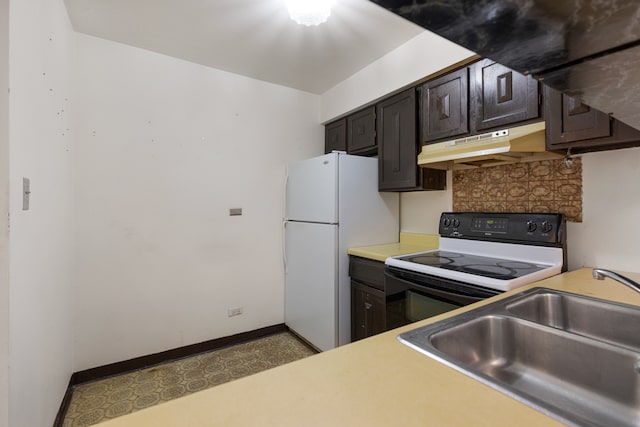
<point>235,211</point>
<point>26,192</point>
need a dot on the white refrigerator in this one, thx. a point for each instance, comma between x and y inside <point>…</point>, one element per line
<point>332,203</point>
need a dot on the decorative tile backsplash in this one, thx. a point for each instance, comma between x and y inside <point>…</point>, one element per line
<point>543,186</point>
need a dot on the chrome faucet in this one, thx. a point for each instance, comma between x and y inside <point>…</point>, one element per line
<point>600,274</point>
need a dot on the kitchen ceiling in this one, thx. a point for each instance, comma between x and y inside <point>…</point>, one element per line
<point>254,38</point>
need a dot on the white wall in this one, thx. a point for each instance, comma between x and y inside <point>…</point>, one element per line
<point>4,210</point>
<point>41,149</point>
<point>608,236</point>
<point>165,148</point>
<point>420,210</point>
<point>421,56</point>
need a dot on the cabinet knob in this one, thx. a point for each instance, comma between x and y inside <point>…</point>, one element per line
<point>367,306</point>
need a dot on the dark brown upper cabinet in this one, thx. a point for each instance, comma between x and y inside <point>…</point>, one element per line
<point>398,146</point>
<point>573,125</point>
<point>500,96</point>
<point>361,132</point>
<point>572,121</point>
<point>445,106</point>
<point>335,136</point>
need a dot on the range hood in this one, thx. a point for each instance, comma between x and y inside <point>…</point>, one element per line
<point>588,49</point>
<point>516,145</point>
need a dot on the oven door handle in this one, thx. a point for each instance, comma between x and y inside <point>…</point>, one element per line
<point>460,298</point>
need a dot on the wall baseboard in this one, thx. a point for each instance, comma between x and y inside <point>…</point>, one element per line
<point>143,362</point>
<point>64,405</point>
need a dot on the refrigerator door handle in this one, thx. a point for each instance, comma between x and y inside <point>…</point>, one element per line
<point>284,222</point>
<point>284,199</point>
<point>284,246</point>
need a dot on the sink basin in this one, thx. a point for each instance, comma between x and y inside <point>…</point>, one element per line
<point>603,320</point>
<point>560,353</point>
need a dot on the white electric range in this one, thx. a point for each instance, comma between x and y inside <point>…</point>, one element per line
<point>480,255</point>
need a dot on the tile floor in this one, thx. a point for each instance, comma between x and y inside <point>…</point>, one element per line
<point>100,400</point>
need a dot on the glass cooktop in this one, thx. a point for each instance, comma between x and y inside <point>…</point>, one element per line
<point>494,268</point>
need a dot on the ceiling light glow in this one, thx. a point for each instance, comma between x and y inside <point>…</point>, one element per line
<point>309,12</point>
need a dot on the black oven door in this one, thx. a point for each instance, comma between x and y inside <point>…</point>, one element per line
<point>414,296</point>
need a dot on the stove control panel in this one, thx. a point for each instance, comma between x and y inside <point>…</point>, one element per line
<point>531,228</point>
<point>490,224</point>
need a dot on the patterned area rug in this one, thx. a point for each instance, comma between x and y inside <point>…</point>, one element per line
<point>98,401</point>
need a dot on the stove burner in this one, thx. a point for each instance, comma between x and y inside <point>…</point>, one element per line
<point>436,258</point>
<point>495,271</point>
<point>516,265</point>
<point>433,260</point>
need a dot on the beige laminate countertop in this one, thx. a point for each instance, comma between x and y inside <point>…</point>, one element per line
<point>374,382</point>
<point>409,243</point>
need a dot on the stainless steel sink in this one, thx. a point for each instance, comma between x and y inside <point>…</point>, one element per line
<point>571,357</point>
<point>603,320</point>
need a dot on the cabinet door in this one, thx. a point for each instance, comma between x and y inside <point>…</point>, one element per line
<point>573,125</point>
<point>335,136</point>
<point>367,271</point>
<point>367,311</point>
<point>568,120</point>
<point>398,153</point>
<point>445,106</point>
<point>501,96</point>
<point>361,132</point>
<point>398,147</point>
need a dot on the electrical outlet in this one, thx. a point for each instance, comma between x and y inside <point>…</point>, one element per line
<point>234,311</point>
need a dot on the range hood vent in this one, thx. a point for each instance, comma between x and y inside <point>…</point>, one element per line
<point>520,144</point>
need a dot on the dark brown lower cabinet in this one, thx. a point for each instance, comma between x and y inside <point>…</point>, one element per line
<point>367,311</point>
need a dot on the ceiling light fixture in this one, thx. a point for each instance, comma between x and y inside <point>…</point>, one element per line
<point>309,12</point>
